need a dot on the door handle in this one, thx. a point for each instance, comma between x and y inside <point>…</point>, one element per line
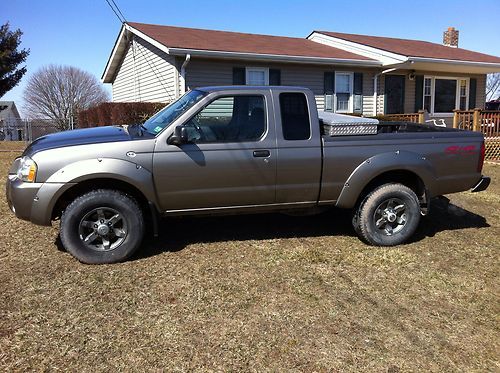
<point>261,153</point>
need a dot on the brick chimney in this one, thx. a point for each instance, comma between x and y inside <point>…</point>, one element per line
<point>450,37</point>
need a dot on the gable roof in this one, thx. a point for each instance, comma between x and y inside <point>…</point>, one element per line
<point>233,45</point>
<point>225,41</point>
<point>415,48</point>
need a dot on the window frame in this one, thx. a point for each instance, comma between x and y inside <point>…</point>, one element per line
<point>351,92</point>
<point>265,70</point>
<point>266,121</point>
<point>457,93</point>
<point>308,116</point>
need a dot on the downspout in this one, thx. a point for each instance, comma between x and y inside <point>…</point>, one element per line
<point>375,85</point>
<point>183,73</point>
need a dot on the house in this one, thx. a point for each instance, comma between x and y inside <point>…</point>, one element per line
<point>348,73</point>
<point>10,121</point>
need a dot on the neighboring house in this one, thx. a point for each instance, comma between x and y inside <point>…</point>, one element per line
<point>159,63</point>
<point>9,121</point>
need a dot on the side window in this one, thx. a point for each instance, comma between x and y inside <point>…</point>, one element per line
<point>229,119</point>
<point>294,116</point>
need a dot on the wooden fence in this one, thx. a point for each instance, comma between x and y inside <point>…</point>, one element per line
<point>485,121</point>
<point>407,117</point>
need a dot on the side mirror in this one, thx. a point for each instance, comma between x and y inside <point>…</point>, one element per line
<point>179,137</point>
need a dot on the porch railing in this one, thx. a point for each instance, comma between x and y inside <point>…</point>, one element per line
<point>485,121</point>
<point>407,117</point>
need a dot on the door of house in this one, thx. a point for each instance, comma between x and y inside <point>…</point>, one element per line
<point>394,94</point>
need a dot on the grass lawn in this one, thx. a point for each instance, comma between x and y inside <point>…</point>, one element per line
<point>259,293</point>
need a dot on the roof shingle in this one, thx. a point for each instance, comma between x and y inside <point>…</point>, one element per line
<point>190,38</point>
<point>415,48</point>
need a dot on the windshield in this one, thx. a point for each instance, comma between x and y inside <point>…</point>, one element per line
<point>166,116</point>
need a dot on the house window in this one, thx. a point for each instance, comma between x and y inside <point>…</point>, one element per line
<point>463,94</point>
<point>442,95</point>
<point>257,76</point>
<point>343,92</point>
<point>427,94</point>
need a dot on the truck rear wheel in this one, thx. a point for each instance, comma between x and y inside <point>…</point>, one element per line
<point>388,216</point>
<point>102,226</point>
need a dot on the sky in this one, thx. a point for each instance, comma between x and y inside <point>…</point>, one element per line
<point>82,33</point>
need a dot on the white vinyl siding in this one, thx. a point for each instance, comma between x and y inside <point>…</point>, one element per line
<point>146,74</point>
<point>216,72</point>
<point>480,91</point>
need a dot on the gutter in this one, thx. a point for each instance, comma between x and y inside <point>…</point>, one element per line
<point>455,62</point>
<point>274,57</point>
<point>183,73</point>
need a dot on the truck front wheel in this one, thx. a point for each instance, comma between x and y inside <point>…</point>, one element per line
<point>388,216</point>
<point>102,226</point>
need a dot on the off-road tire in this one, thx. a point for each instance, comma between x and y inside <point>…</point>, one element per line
<point>368,214</point>
<point>112,200</point>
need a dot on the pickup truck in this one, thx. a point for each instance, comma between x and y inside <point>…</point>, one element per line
<point>235,150</point>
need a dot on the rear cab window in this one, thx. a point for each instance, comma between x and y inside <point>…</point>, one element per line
<point>295,121</point>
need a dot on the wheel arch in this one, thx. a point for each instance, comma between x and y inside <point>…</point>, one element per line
<point>90,184</point>
<point>409,169</point>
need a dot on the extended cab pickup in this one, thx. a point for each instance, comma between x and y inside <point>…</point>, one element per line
<point>238,150</point>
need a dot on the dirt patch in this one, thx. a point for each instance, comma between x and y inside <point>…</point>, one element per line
<point>259,293</point>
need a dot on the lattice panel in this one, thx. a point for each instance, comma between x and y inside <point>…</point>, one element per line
<point>492,149</point>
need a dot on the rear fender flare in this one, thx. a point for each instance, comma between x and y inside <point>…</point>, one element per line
<point>382,163</point>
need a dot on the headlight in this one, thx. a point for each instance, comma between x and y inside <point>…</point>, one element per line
<point>27,170</point>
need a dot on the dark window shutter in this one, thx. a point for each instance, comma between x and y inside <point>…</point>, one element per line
<point>358,92</point>
<point>239,76</point>
<point>329,82</point>
<point>274,77</point>
<point>358,83</point>
<point>472,93</point>
<point>419,92</point>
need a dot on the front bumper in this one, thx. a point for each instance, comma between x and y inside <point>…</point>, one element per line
<point>20,196</point>
<point>482,184</point>
<point>33,201</point>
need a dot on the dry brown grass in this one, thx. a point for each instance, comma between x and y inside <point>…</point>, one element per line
<point>259,293</point>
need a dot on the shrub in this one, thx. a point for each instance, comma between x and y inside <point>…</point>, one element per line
<point>109,113</point>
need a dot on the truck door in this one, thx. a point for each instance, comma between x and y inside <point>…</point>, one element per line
<point>230,160</point>
<point>299,148</point>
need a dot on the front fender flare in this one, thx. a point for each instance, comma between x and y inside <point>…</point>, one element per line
<point>382,163</point>
<point>101,168</point>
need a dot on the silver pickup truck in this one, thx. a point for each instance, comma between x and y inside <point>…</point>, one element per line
<point>225,150</point>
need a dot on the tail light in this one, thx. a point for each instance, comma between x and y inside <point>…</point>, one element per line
<point>481,158</point>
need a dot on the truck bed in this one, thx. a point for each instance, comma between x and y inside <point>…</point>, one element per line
<point>449,156</point>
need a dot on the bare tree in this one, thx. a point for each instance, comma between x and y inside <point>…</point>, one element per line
<point>493,86</point>
<point>60,92</point>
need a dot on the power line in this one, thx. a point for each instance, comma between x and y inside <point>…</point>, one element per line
<point>152,66</point>
<point>117,11</point>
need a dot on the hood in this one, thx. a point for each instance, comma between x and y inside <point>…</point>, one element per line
<point>84,136</point>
